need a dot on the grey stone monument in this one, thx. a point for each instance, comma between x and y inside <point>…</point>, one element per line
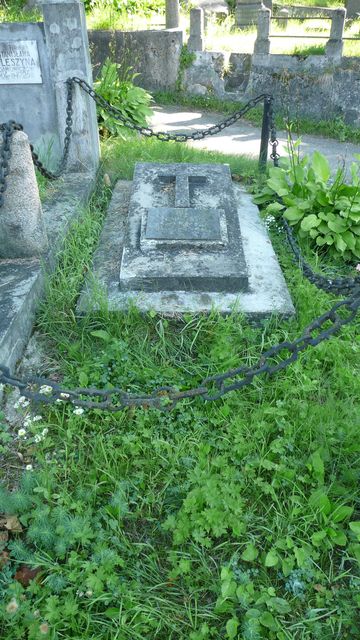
<point>183,238</point>
<point>22,230</point>
<point>246,12</point>
<point>352,8</point>
<point>334,46</point>
<point>35,61</point>
<point>197,30</point>
<point>183,231</point>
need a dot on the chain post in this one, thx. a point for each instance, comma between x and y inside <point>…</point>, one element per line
<point>265,133</point>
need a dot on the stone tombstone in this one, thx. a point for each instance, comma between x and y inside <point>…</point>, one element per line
<point>35,61</point>
<point>183,231</point>
<point>352,8</point>
<point>246,12</point>
<point>22,231</point>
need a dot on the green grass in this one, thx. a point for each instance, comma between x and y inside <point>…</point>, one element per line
<point>214,521</point>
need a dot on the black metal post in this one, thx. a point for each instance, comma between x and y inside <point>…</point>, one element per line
<point>265,134</point>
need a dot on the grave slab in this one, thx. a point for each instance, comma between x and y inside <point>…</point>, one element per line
<point>183,231</point>
<point>267,292</point>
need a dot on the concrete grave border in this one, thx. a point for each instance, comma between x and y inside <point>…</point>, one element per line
<point>22,281</point>
<point>268,291</point>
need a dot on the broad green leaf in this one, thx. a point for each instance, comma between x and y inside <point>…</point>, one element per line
<point>250,554</point>
<point>274,207</point>
<point>355,528</point>
<point>112,612</point>
<point>293,214</point>
<point>279,604</point>
<point>83,379</point>
<point>103,335</point>
<point>338,537</point>
<point>339,225</point>
<point>319,500</point>
<point>320,166</point>
<point>231,628</point>
<point>272,558</point>
<point>317,465</point>
<point>301,556</point>
<point>318,537</point>
<point>341,513</point>
<point>309,222</point>
<point>268,621</point>
<point>350,239</point>
<point>340,244</point>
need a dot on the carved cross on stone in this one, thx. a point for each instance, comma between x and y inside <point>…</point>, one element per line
<point>183,231</point>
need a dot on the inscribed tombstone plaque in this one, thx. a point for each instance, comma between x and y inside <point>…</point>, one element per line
<point>183,231</point>
<point>19,62</point>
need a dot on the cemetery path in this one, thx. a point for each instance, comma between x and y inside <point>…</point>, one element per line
<point>243,138</point>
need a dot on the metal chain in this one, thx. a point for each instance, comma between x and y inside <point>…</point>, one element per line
<point>271,361</point>
<point>330,285</point>
<point>53,175</point>
<point>162,135</point>
<point>274,155</point>
<point>9,127</point>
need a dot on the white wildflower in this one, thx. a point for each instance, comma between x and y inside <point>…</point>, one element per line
<point>37,438</point>
<point>45,389</point>
<point>78,411</point>
<point>12,607</point>
<point>21,433</point>
<point>65,396</point>
<point>88,593</point>
<point>45,432</point>
<point>27,422</point>
<point>37,418</point>
<point>22,402</point>
<point>29,467</point>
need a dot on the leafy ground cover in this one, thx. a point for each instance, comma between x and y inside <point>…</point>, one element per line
<point>230,520</point>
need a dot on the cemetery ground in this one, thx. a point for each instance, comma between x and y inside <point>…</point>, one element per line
<point>230,519</point>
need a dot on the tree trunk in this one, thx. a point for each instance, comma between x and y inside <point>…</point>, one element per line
<point>172,14</point>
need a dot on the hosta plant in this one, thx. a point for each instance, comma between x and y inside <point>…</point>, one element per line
<point>322,207</point>
<point>132,101</point>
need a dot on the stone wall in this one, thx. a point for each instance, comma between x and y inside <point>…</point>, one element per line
<point>316,87</point>
<point>154,55</point>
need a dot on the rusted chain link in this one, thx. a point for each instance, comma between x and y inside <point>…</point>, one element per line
<point>213,387</point>
<point>270,362</point>
<point>342,286</point>
<point>163,135</point>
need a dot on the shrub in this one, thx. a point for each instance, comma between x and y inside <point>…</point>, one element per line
<point>132,102</point>
<point>322,208</point>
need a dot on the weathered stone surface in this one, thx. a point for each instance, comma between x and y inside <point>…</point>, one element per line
<point>206,74</point>
<point>33,105</point>
<point>267,294</point>
<point>68,53</point>
<point>22,231</point>
<point>157,54</point>
<point>178,251</point>
<point>197,34</point>
<point>22,281</point>
<point>19,62</point>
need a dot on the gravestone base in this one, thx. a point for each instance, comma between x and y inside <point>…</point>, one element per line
<point>266,293</point>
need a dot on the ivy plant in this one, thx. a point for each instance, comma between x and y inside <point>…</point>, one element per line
<point>322,207</point>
